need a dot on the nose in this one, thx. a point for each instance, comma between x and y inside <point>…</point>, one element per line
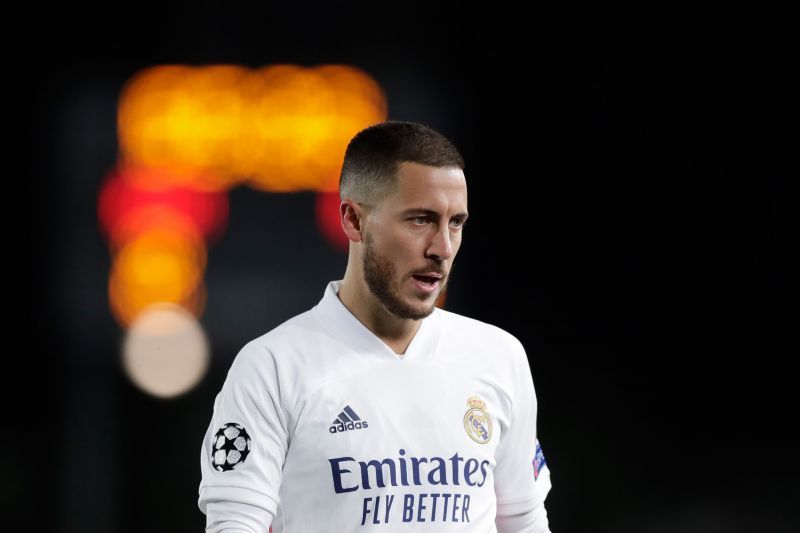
<point>441,245</point>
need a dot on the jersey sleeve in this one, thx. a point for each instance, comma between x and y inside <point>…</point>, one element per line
<point>521,475</point>
<point>245,447</point>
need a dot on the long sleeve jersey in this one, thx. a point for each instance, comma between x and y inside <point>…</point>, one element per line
<point>320,426</point>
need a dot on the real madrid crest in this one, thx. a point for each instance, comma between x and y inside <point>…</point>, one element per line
<point>477,421</point>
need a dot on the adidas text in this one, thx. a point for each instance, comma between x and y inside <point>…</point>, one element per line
<point>360,424</point>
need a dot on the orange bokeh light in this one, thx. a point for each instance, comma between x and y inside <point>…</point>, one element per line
<point>302,121</point>
<point>281,128</point>
<point>157,266</point>
<point>441,299</point>
<point>183,119</point>
<point>187,134</point>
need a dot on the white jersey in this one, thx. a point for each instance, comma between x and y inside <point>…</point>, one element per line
<point>320,426</point>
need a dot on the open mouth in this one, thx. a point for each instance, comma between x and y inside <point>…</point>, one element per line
<point>427,280</point>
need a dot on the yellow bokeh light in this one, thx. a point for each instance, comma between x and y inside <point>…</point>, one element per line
<point>157,266</point>
<point>281,128</point>
<point>183,119</point>
<point>302,122</point>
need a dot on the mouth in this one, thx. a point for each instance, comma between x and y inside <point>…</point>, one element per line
<point>426,284</point>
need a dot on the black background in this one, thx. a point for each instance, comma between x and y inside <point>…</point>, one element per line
<point>633,200</point>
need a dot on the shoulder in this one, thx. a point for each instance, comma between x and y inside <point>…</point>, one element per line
<point>275,346</point>
<point>470,331</point>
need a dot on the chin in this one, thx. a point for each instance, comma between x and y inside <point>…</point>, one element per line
<point>427,310</point>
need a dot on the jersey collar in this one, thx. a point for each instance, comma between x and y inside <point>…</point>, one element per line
<point>353,332</point>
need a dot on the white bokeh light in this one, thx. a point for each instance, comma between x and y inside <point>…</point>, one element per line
<point>165,352</point>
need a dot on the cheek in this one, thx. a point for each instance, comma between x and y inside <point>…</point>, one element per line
<point>408,243</point>
<point>456,242</point>
<point>401,249</point>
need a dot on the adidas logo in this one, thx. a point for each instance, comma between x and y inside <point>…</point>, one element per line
<point>347,419</point>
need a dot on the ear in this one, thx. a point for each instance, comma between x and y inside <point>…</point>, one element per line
<point>351,214</point>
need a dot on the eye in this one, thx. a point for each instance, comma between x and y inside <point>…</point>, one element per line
<point>420,217</point>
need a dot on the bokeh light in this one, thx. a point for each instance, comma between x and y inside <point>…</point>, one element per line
<point>281,128</point>
<point>185,120</point>
<point>329,222</point>
<point>186,136</point>
<point>157,266</point>
<point>302,121</point>
<point>165,351</point>
<point>133,200</point>
<point>441,299</point>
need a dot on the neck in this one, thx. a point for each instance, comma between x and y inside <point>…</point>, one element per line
<point>395,332</point>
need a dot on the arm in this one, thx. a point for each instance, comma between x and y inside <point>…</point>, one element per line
<point>521,476</point>
<point>236,517</point>
<point>244,448</point>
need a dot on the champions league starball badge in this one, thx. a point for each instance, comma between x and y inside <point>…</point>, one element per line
<point>230,447</point>
<point>477,421</point>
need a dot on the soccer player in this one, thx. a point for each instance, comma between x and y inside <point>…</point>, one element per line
<point>375,409</point>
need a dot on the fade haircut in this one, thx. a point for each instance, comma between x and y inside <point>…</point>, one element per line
<point>373,156</point>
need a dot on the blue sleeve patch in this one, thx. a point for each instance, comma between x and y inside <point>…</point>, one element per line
<point>538,460</point>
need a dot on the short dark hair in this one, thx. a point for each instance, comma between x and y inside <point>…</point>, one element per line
<point>374,154</point>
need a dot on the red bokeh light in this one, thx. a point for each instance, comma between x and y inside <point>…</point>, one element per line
<point>133,200</point>
<point>329,222</point>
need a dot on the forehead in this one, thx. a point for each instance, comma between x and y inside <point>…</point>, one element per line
<point>442,189</point>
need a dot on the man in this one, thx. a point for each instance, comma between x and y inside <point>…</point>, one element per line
<point>376,410</point>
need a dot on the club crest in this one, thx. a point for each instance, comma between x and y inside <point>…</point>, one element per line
<point>477,421</point>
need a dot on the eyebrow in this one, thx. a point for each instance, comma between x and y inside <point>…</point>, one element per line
<point>414,210</point>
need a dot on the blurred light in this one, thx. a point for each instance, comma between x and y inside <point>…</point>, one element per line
<point>441,299</point>
<point>329,221</point>
<point>157,266</point>
<point>165,351</point>
<point>301,124</point>
<point>282,128</point>
<point>135,200</point>
<point>185,120</point>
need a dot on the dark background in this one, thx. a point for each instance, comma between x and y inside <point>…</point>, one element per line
<point>633,200</point>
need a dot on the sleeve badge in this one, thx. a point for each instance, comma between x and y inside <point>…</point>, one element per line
<point>230,447</point>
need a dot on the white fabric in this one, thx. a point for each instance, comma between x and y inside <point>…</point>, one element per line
<point>412,465</point>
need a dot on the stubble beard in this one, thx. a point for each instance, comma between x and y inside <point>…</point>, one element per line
<point>379,273</point>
